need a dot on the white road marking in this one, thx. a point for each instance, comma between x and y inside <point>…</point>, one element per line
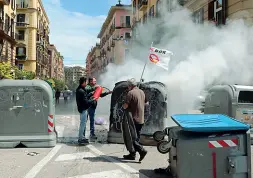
<point>73,121</point>
<point>74,156</point>
<point>118,163</point>
<point>60,130</point>
<point>105,174</point>
<point>37,168</point>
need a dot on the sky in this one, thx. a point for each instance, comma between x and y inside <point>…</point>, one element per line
<point>74,26</point>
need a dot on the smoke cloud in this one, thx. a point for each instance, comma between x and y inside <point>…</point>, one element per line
<point>203,55</point>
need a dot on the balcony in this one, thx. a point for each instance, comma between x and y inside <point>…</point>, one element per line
<point>22,5</point>
<point>124,25</point>
<point>143,5</point>
<point>21,24</point>
<point>5,2</point>
<point>21,57</point>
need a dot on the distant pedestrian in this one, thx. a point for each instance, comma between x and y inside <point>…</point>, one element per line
<point>84,102</point>
<point>133,121</point>
<point>57,96</point>
<point>65,95</point>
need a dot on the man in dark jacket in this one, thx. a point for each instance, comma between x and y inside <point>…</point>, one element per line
<point>91,111</point>
<point>84,102</point>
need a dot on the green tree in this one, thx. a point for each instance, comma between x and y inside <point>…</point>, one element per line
<point>24,74</point>
<point>59,84</point>
<point>6,70</point>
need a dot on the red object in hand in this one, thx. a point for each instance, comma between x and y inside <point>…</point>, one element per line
<point>97,92</point>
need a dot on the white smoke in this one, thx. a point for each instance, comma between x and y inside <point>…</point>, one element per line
<point>204,55</point>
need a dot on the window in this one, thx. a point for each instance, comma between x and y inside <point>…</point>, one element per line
<point>22,4</point>
<point>134,6</point>
<point>21,66</point>
<point>121,20</point>
<point>21,51</point>
<point>127,35</point>
<point>21,35</point>
<point>128,21</point>
<point>152,11</point>
<point>21,20</point>
<point>13,3</point>
<point>198,16</point>
<point>158,8</point>
<point>217,12</point>
<point>7,23</point>
<point>7,51</point>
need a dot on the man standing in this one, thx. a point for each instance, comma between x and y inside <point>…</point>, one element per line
<point>91,111</point>
<point>83,102</point>
<point>134,104</point>
<point>65,95</point>
<point>57,96</point>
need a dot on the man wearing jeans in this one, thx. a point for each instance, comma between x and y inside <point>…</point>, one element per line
<point>84,102</point>
<point>91,111</point>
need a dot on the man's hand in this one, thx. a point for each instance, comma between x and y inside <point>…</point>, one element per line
<point>97,85</point>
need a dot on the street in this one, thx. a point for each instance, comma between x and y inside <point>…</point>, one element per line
<point>67,159</point>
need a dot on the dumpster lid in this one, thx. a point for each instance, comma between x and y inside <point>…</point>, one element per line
<point>208,123</point>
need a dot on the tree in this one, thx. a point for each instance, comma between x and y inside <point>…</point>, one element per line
<point>59,84</point>
<point>24,74</point>
<point>6,70</point>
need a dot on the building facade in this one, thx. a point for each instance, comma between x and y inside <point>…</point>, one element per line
<point>96,65</point>
<point>114,35</point>
<point>88,64</point>
<point>7,31</point>
<point>73,74</point>
<point>56,67</point>
<point>33,37</point>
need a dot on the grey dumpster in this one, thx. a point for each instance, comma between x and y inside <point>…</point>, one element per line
<point>233,100</point>
<point>209,146</point>
<point>155,114</point>
<point>26,114</point>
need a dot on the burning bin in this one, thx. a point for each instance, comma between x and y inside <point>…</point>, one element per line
<point>27,114</point>
<point>209,146</point>
<point>155,114</point>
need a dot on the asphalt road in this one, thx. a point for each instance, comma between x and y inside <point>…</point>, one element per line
<point>67,159</point>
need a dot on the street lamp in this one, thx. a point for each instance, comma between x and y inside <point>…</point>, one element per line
<point>8,34</point>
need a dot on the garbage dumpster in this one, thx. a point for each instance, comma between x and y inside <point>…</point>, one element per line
<point>155,114</point>
<point>233,100</point>
<point>27,114</point>
<point>209,146</point>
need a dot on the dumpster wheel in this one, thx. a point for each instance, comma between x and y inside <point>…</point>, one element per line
<point>163,147</point>
<point>159,136</point>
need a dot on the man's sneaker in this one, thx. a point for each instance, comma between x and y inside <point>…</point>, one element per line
<point>93,137</point>
<point>129,157</point>
<point>142,155</point>
<point>83,141</point>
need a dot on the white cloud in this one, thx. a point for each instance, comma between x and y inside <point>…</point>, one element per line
<point>73,33</point>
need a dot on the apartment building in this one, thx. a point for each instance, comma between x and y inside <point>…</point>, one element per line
<point>33,37</point>
<point>7,31</point>
<point>56,66</point>
<point>73,74</point>
<point>96,65</point>
<point>219,11</point>
<point>114,35</point>
<point>88,64</point>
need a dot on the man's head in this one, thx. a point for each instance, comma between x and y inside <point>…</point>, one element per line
<point>131,83</point>
<point>82,81</point>
<point>92,81</point>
